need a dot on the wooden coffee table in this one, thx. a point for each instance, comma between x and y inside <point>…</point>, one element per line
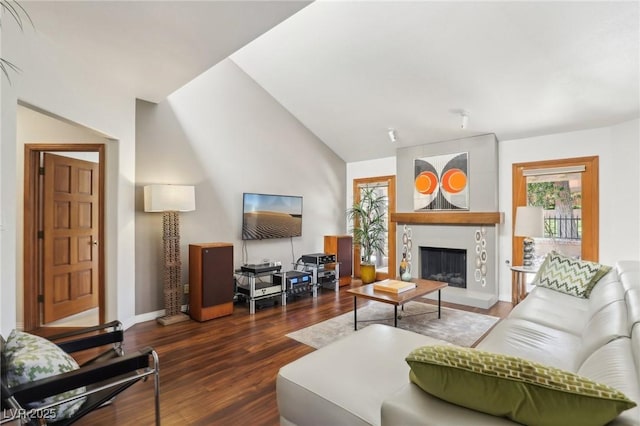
<point>367,291</point>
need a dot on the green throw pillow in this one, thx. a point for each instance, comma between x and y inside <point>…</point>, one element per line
<point>507,386</point>
<point>30,358</point>
<point>571,276</point>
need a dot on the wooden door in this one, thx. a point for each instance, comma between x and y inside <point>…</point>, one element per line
<point>70,224</point>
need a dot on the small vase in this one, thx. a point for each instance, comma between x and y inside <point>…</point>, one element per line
<point>406,276</point>
<point>403,267</point>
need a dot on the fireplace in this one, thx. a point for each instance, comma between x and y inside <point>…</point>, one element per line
<point>444,264</point>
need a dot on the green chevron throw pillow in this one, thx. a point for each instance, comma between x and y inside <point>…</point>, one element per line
<point>507,386</point>
<point>30,358</point>
<point>571,276</point>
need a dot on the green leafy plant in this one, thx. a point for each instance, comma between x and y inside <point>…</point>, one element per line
<point>18,13</point>
<point>368,217</point>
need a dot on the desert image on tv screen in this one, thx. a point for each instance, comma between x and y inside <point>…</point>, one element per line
<point>271,216</point>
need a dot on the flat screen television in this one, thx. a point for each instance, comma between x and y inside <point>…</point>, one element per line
<point>271,216</point>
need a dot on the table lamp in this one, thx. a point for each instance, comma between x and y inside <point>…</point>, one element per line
<point>171,199</point>
<point>529,224</point>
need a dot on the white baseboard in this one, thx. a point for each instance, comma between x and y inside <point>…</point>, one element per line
<point>149,316</point>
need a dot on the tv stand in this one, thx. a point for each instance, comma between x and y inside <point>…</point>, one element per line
<point>256,282</point>
<point>325,273</point>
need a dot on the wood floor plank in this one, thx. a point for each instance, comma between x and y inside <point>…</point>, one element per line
<point>223,371</point>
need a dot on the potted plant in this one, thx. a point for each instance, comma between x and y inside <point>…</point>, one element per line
<point>368,218</point>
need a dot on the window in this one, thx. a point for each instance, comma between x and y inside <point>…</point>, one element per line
<point>567,189</point>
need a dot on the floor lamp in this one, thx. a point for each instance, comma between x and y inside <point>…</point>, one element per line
<point>170,200</point>
<point>530,225</point>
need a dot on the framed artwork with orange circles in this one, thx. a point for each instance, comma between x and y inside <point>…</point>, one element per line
<point>442,182</point>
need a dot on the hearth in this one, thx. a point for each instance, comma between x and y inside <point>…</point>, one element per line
<point>444,264</point>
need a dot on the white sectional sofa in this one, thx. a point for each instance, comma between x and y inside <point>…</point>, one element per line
<point>363,379</point>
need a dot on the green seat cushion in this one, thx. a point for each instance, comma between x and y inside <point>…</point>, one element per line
<point>507,386</point>
<point>30,358</point>
<point>567,275</point>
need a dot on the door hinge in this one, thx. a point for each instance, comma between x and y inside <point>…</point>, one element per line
<point>41,171</point>
<point>40,235</point>
<point>41,298</point>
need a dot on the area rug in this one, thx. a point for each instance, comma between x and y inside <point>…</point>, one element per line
<point>459,327</point>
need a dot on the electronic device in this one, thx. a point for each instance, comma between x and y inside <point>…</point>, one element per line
<point>261,289</point>
<point>259,268</point>
<point>326,276</point>
<point>271,216</point>
<point>301,289</point>
<point>295,282</point>
<point>293,278</point>
<point>318,258</point>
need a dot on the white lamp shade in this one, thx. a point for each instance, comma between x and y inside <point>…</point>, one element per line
<point>161,198</point>
<point>529,222</point>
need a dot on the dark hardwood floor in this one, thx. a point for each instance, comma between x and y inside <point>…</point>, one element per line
<point>223,371</point>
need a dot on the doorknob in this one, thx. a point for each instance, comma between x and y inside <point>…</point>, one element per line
<point>95,242</point>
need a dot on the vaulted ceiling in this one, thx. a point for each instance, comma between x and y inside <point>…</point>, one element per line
<point>153,48</point>
<point>349,71</point>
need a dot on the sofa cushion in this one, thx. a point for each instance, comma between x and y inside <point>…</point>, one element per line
<point>629,272</point>
<point>535,342</point>
<point>571,276</point>
<point>30,358</point>
<point>614,364</point>
<point>609,323</point>
<point>608,290</point>
<point>553,309</point>
<point>507,386</point>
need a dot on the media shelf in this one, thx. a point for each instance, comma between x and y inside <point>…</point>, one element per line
<point>256,286</point>
<point>310,273</point>
<point>324,270</point>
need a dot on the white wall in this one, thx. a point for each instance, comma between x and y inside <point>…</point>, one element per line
<point>65,85</point>
<point>364,169</point>
<point>618,148</point>
<point>370,168</point>
<point>224,134</point>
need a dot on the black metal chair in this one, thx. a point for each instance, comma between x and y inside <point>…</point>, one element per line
<point>104,376</point>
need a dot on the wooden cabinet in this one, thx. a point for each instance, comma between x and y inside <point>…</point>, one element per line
<point>210,280</point>
<point>342,247</point>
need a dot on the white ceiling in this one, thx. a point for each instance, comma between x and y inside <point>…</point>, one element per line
<point>152,48</point>
<point>351,70</point>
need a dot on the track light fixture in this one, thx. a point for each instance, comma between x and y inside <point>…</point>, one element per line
<point>464,119</point>
<point>392,135</point>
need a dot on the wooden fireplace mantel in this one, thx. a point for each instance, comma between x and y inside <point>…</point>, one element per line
<point>449,218</point>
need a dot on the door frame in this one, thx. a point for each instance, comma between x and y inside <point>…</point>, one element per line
<point>391,226</point>
<point>31,266</point>
<point>590,202</point>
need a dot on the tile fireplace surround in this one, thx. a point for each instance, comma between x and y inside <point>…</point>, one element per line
<point>474,230</point>
<point>458,230</point>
